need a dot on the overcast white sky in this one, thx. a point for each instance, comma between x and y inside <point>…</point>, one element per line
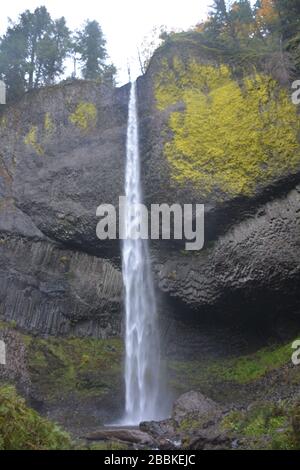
<point>124,22</point>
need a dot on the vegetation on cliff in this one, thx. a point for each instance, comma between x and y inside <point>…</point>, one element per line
<point>31,139</point>
<point>84,116</point>
<point>34,50</point>
<point>81,367</point>
<point>238,372</point>
<point>231,135</point>
<point>265,425</point>
<point>244,33</point>
<point>21,428</point>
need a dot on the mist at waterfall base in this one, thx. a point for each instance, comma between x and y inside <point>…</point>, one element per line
<point>143,400</point>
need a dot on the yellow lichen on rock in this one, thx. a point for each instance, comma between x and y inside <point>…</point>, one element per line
<point>31,140</point>
<point>231,137</point>
<point>3,122</point>
<point>84,116</point>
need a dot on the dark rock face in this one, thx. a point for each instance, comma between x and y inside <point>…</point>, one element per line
<point>49,290</point>
<point>256,263</point>
<point>251,253</point>
<point>210,440</point>
<point>60,149</point>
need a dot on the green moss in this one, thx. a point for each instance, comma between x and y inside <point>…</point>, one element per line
<point>31,140</point>
<point>85,116</point>
<point>264,426</point>
<point>188,424</point>
<point>240,370</point>
<point>231,137</point>
<point>21,428</point>
<point>84,367</point>
<point>8,324</point>
<point>245,369</point>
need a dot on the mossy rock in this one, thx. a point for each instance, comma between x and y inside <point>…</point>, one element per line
<point>85,116</point>
<point>234,372</point>
<point>263,426</point>
<point>84,367</point>
<point>21,428</point>
<point>231,137</point>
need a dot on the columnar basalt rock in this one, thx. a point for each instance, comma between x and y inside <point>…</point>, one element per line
<point>60,149</point>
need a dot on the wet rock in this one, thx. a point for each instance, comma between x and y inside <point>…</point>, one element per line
<point>159,429</point>
<point>209,439</point>
<point>194,425</point>
<point>194,403</point>
<point>133,436</point>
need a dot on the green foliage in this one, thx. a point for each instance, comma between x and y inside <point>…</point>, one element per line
<point>236,371</point>
<point>90,44</point>
<point>83,367</point>
<point>289,17</point>
<point>33,51</point>
<point>189,423</point>
<point>85,116</point>
<point>31,139</point>
<point>246,369</point>
<point>21,428</point>
<point>263,426</point>
<point>232,136</point>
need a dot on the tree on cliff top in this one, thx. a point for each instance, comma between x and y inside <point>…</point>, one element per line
<point>266,35</point>
<point>90,44</point>
<point>33,50</point>
<point>289,17</point>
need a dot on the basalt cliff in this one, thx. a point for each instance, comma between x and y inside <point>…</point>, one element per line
<point>228,313</point>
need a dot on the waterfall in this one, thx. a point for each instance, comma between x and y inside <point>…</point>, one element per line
<point>142,363</point>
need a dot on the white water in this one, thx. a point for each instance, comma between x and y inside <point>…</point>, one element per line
<point>142,364</point>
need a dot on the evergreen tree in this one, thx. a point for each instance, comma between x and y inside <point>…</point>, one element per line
<point>32,51</point>
<point>53,50</point>
<point>13,65</point>
<point>289,17</point>
<point>267,18</point>
<point>243,18</point>
<point>289,20</point>
<point>219,19</point>
<point>36,28</point>
<point>90,45</point>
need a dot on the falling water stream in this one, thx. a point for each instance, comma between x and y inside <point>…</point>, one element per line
<point>142,363</point>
